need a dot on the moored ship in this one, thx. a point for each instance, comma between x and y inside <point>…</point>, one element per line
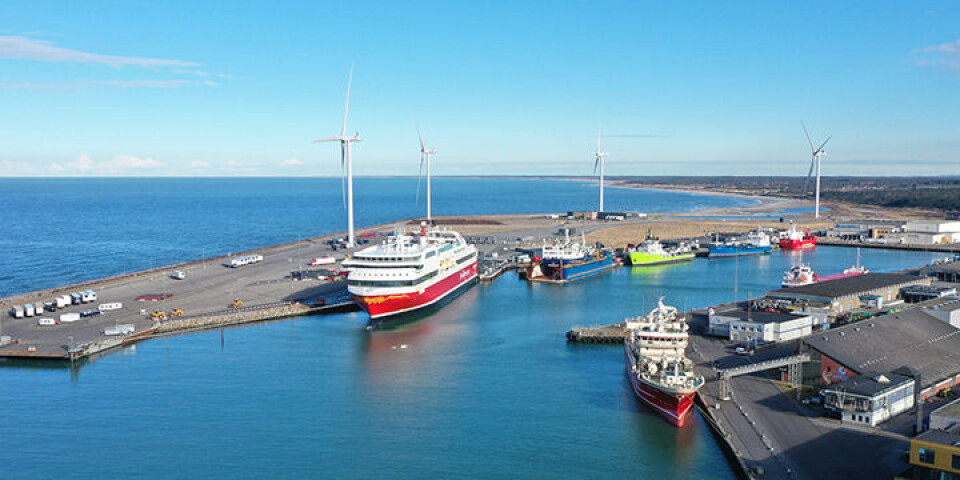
<point>661,375</point>
<point>796,239</point>
<point>565,261</point>
<point>798,276</point>
<point>755,243</point>
<point>408,272</point>
<point>652,252</point>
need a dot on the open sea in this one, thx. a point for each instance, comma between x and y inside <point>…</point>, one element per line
<point>485,388</point>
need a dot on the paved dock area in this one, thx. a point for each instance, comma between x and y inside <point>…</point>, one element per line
<point>786,440</point>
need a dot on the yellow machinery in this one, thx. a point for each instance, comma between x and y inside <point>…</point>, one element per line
<point>237,304</point>
<point>176,312</point>
<point>158,316</point>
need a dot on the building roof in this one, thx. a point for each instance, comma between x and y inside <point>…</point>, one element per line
<point>943,304</point>
<point>939,436</point>
<point>842,287</point>
<point>871,385</point>
<point>884,344</point>
<point>951,410</point>
<point>759,316</point>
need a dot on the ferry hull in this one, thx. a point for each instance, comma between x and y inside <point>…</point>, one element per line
<point>672,406</point>
<point>381,306</point>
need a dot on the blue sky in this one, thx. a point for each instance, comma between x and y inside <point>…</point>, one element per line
<point>696,88</point>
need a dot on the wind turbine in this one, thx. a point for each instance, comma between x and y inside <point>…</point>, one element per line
<point>816,155</point>
<point>425,159</point>
<point>346,165</point>
<point>599,162</point>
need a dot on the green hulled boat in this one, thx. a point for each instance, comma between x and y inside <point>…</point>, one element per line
<point>651,252</point>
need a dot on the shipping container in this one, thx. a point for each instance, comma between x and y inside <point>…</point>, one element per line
<point>63,301</point>
<point>17,311</point>
<point>89,296</point>
<point>28,310</point>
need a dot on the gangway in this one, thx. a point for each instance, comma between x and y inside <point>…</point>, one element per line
<point>792,363</point>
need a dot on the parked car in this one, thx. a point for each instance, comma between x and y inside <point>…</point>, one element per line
<point>178,275</point>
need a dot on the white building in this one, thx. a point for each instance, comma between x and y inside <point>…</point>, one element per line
<point>759,327</point>
<point>927,232</point>
<point>946,309</point>
<point>870,400</point>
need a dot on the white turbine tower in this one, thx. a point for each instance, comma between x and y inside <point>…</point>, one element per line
<point>425,159</point>
<point>346,165</point>
<point>599,162</point>
<point>816,155</point>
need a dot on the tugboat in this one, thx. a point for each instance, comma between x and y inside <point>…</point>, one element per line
<point>795,239</point>
<point>566,261</point>
<point>661,375</point>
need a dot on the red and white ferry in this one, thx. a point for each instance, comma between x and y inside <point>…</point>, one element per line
<point>794,239</point>
<point>408,272</point>
<point>657,366</point>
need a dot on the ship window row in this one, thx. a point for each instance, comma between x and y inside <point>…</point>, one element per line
<point>390,283</point>
<point>385,259</point>
<point>364,266</point>
<point>465,259</point>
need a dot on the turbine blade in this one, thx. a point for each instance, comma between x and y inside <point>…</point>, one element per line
<point>423,147</point>
<point>825,143</point>
<point>596,163</point>
<point>329,139</point>
<point>346,110</point>
<point>808,136</point>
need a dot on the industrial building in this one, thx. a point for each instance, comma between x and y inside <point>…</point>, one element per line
<point>843,294</point>
<point>920,293</point>
<point>926,232</point>
<point>946,417</point>
<point>945,309</point>
<point>759,327</point>
<point>911,338</point>
<point>870,399</point>
<point>934,454</point>
<point>944,272</point>
<point>862,231</point>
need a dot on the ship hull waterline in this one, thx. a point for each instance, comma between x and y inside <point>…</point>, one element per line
<point>381,307</point>
<point>675,408</point>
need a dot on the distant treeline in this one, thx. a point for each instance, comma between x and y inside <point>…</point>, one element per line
<point>940,193</point>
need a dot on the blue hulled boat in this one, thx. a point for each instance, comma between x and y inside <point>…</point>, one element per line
<point>756,243</point>
<point>566,261</point>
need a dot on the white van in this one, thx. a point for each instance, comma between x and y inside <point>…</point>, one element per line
<point>178,275</point>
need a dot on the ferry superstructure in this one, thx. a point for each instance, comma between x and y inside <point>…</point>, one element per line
<point>656,364</point>
<point>407,272</point>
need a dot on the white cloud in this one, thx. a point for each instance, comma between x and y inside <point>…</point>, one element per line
<point>17,47</point>
<point>292,162</point>
<point>946,55</point>
<point>64,86</point>
<point>84,164</point>
<point>131,162</point>
<point>199,164</point>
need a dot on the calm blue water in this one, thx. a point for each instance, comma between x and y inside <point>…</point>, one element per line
<point>61,231</point>
<point>486,388</point>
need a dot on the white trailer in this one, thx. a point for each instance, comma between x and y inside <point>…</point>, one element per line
<point>17,311</point>
<point>47,322</point>
<point>63,301</point>
<point>88,296</point>
<point>38,308</point>
<point>245,260</point>
<point>28,310</point>
<point>106,307</point>
<point>69,317</point>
